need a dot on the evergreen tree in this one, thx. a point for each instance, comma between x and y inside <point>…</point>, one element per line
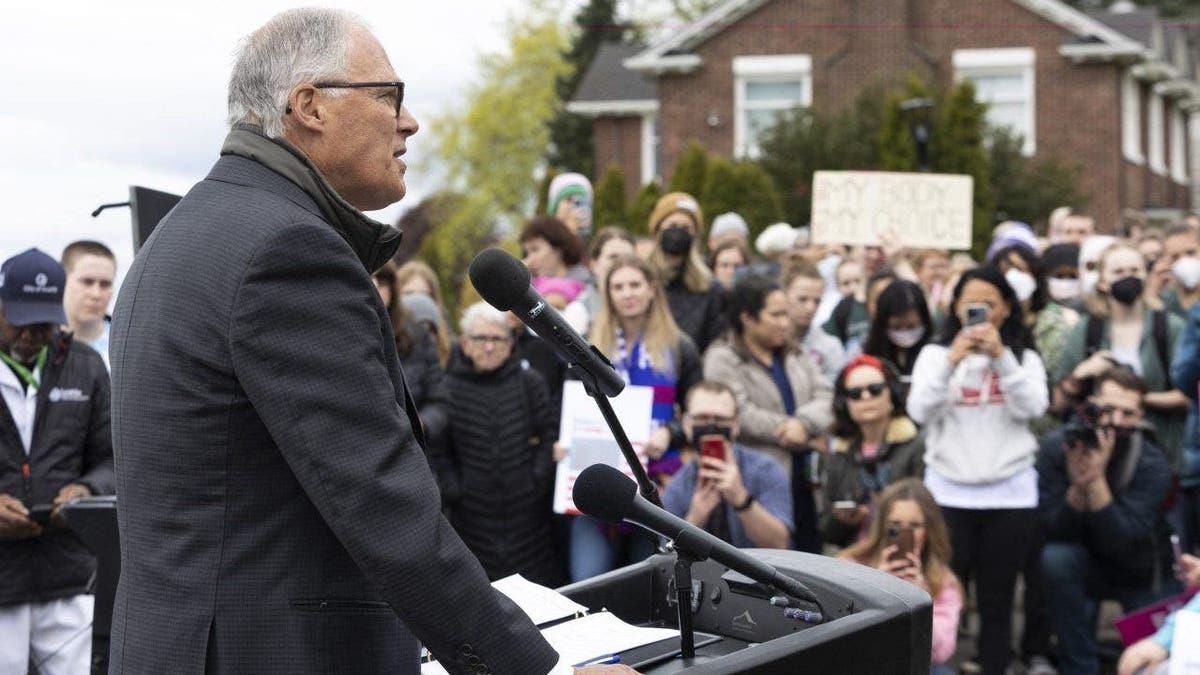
<point>758,200</point>
<point>1027,190</point>
<point>722,191</point>
<point>897,147</point>
<point>643,204</point>
<point>572,147</point>
<point>609,205</point>
<point>958,147</point>
<point>691,171</point>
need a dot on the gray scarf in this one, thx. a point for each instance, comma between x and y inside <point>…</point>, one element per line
<point>373,242</point>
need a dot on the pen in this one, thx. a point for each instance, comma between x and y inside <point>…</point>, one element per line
<point>601,661</point>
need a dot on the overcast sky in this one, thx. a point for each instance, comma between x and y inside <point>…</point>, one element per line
<point>101,95</point>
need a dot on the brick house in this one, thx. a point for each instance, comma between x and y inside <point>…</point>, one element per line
<point>1114,92</point>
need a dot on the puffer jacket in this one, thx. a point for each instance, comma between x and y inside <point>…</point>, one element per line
<point>499,467</point>
<point>851,477</point>
<point>72,443</point>
<point>700,315</point>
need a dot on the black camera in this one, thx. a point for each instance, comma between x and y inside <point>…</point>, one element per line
<point>1081,429</point>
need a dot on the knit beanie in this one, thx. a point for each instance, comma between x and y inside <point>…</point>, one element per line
<point>566,185</point>
<point>1060,255</point>
<point>676,201</point>
<point>729,223</point>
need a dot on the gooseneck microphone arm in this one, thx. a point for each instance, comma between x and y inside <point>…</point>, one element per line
<point>504,282</point>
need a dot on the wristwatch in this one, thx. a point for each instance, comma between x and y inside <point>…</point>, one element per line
<point>746,504</point>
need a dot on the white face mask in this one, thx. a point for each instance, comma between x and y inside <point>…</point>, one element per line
<point>1064,290</point>
<point>1022,284</point>
<point>906,338</point>
<point>1187,272</point>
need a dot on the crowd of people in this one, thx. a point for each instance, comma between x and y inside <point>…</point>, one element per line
<point>956,423</point>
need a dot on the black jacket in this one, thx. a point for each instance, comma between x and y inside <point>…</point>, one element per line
<point>426,381</point>
<point>700,315</point>
<point>277,511</point>
<point>499,468</point>
<point>1128,539</point>
<point>71,444</point>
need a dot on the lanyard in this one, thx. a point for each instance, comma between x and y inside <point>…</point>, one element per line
<point>30,378</point>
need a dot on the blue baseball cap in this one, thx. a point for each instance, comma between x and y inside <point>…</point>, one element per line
<point>31,289</point>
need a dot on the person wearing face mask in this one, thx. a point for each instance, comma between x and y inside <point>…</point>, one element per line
<point>1102,483</point>
<point>1178,269</point>
<point>1126,326</point>
<point>784,399</point>
<point>677,225</point>
<point>974,395</point>
<point>1049,321</point>
<point>1061,263</point>
<point>739,495</point>
<point>901,326</point>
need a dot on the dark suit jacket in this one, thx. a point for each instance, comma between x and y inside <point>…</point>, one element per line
<point>277,513</point>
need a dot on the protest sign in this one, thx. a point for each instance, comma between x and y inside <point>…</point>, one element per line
<point>920,210</point>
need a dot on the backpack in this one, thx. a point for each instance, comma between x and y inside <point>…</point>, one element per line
<point>1095,331</point>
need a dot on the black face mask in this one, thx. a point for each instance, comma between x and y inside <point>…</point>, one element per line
<point>701,430</point>
<point>1126,291</point>
<point>675,241</point>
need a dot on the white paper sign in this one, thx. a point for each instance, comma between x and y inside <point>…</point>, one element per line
<point>1185,647</point>
<point>923,210</point>
<point>589,440</point>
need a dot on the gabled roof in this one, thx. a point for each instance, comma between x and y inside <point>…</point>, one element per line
<point>608,87</point>
<point>671,53</point>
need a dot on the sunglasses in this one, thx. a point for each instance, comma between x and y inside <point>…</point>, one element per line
<point>875,389</point>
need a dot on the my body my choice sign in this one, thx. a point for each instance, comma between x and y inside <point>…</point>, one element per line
<point>922,210</point>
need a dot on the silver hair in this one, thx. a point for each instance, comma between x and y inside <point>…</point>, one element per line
<point>294,47</point>
<point>481,311</point>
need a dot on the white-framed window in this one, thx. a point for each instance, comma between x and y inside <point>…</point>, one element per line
<point>1179,143</point>
<point>649,147</point>
<point>1156,153</point>
<point>1131,118</point>
<point>1004,80</point>
<point>764,87</point>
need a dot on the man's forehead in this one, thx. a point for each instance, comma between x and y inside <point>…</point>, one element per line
<point>368,58</point>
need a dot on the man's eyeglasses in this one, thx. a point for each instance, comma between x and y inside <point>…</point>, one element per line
<point>497,340</point>
<point>398,86</point>
<point>874,389</point>
<point>719,420</point>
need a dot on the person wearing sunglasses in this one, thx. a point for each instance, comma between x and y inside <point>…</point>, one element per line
<point>874,444</point>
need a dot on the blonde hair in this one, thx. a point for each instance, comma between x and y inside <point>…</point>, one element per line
<point>696,275</point>
<point>1096,303</point>
<point>661,337</point>
<point>936,554</point>
<point>416,268</point>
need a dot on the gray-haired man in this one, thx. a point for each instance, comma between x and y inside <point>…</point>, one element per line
<point>277,513</point>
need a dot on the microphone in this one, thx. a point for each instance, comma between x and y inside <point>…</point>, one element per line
<point>503,281</point>
<point>605,494</point>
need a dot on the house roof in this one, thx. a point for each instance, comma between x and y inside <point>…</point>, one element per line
<point>609,88</point>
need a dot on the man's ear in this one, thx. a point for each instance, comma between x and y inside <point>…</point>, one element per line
<point>304,108</point>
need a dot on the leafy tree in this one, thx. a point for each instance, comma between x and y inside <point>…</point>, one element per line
<point>759,201</point>
<point>492,146</point>
<point>643,204</point>
<point>609,206</point>
<point>691,170</point>
<point>571,143</point>
<point>460,227</point>
<point>897,146</point>
<point>1027,190</point>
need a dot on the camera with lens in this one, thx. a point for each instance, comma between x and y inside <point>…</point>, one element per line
<point>1081,429</point>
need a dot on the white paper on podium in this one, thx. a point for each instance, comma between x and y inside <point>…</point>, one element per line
<point>1185,647</point>
<point>542,604</point>
<point>589,440</point>
<point>589,638</point>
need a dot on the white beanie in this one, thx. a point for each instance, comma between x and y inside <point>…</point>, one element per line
<point>776,239</point>
<point>728,223</point>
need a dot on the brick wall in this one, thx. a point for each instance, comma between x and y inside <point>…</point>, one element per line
<point>856,43</point>
<point>619,140</point>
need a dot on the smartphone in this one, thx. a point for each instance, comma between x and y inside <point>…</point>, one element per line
<point>713,446</point>
<point>845,505</point>
<point>977,313</point>
<point>902,539</point>
<point>40,513</point>
<point>1178,552</point>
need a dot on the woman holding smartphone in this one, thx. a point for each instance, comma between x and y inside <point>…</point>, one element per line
<point>907,539</point>
<point>975,395</point>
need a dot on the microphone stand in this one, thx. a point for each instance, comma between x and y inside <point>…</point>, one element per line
<point>647,489</point>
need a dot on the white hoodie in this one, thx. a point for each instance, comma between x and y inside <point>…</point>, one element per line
<point>976,415</point>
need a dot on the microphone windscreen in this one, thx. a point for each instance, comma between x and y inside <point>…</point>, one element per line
<point>604,493</point>
<point>501,279</point>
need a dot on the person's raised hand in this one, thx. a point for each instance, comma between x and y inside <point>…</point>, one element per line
<point>1094,365</point>
<point>659,441</point>
<point>1140,657</point>
<point>14,520</point>
<point>987,340</point>
<point>962,345</point>
<point>704,499</point>
<point>1189,570</point>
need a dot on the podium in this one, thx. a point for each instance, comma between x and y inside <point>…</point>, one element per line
<point>875,623</point>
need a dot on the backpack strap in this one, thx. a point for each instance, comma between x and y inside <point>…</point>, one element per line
<point>1095,331</point>
<point>1160,343</point>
